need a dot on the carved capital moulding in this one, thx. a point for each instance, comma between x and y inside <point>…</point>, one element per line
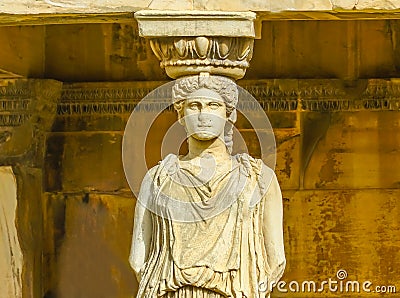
<point>192,42</point>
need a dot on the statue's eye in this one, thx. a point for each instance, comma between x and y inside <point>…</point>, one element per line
<point>214,105</point>
<point>194,106</point>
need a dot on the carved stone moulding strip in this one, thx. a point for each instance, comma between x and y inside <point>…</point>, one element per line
<point>273,95</point>
<point>84,108</point>
<point>94,93</point>
<point>270,95</point>
<point>381,104</point>
<point>273,105</point>
<point>13,119</point>
<point>13,92</point>
<point>14,112</point>
<point>15,103</point>
<point>382,95</point>
<point>326,95</point>
<point>103,91</point>
<point>326,105</point>
<point>86,99</point>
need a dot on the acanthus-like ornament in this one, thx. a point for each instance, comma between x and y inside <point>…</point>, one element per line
<point>228,56</point>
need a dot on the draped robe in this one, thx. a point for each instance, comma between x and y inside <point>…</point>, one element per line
<point>219,238</point>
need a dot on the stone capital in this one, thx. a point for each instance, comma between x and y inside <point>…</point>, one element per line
<point>192,42</point>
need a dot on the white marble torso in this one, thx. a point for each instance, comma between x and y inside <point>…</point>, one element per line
<point>225,253</point>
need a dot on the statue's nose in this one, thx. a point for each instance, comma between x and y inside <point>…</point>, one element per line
<point>204,118</point>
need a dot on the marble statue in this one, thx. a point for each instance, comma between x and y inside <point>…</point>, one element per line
<point>208,224</point>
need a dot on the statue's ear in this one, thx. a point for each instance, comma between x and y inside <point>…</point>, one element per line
<point>233,116</point>
<point>181,120</point>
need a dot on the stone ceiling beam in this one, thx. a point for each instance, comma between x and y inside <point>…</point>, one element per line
<point>61,18</point>
<point>43,12</point>
<point>103,6</point>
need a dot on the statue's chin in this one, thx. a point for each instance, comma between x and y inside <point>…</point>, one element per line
<point>204,136</point>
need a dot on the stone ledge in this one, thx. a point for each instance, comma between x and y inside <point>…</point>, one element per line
<point>156,23</point>
<point>102,6</point>
<point>125,16</point>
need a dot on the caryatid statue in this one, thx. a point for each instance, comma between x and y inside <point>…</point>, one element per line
<point>208,224</point>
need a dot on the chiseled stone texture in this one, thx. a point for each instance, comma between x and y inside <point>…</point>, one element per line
<point>353,150</point>
<point>101,6</point>
<point>88,150</point>
<point>354,230</point>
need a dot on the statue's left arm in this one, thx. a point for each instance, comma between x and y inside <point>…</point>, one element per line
<point>273,230</point>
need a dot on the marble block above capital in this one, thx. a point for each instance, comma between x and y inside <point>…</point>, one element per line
<point>164,23</point>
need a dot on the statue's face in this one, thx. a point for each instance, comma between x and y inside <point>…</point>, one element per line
<point>204,115</point>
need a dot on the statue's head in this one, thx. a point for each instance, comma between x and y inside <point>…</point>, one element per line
<point>206,106</point>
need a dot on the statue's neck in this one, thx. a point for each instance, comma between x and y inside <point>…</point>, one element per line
<point>215,147</point>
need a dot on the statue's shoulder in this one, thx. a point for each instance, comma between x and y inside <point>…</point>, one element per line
<point>167,166</point>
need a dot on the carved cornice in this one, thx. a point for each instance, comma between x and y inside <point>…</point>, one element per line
<point>105,99</point>
<point>382,95</point>
<point>270,96</point>
<point>15,103</point>
<point>273,95</point>
<point>27,111</point>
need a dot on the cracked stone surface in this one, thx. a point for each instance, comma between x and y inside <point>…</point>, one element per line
<point>105,6</point>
